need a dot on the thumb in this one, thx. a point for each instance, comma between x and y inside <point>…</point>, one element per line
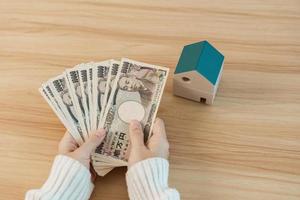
<point>136,134</point>
<point>159,130</point>
<point>92,142</point>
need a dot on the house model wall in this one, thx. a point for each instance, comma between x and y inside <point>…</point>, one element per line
<point>198,72</point>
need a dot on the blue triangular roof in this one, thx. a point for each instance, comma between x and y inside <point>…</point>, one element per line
<point>203,58</point>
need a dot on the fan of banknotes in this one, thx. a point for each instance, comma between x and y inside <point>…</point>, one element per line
<point>107,94</point>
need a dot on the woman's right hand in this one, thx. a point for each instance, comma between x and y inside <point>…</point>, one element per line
<point>157,146</point>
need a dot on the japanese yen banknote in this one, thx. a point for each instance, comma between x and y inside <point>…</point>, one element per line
<point>107,94</point>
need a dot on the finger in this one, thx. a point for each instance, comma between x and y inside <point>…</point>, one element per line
<point>67,144</point>
<point>159,129</point>
<point>92,142</point>
<point>67,137</point>
<point>136,134</point>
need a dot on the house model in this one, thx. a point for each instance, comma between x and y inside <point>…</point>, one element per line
<point>198,72</point>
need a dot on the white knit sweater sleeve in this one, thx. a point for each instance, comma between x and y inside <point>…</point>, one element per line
<point>68,180</point>
<point>148,179</point>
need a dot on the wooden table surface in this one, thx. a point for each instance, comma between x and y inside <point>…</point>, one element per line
<point>246,146</point>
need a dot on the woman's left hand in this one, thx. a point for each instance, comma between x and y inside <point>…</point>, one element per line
<point>69,147</point>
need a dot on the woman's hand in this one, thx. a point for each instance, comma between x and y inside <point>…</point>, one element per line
<point>69,147</point>
<point>158,145</point>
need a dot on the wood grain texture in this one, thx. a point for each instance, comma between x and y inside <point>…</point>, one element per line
<point>246,146</point>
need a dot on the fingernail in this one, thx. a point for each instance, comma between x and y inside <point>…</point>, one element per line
<point>134,123</point>
<point>100,132</point>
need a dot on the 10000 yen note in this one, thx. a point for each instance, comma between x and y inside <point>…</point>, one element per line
<point>83,79</point>
<point>100,73</point>
<point>51,100</point>
<point>136,94</point>
<point>112,73</point>
<point>74,87</point>
<point>58,86</point>
<point>90,93</point>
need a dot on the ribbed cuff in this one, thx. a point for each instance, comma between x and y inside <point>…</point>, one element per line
<point>148,179</point>
<point>68,180</point>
